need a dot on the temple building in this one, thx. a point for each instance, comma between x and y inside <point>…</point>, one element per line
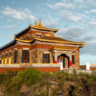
<point>38,44</point>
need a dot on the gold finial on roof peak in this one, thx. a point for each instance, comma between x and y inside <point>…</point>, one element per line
<point>40,20</point>
<point>14,35</point>
<point>35,21</point>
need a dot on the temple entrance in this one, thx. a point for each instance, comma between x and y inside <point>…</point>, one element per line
<point>64,60</point>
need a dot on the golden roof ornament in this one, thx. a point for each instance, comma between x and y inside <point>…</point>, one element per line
<point>40,20</point>
<point>40,26</point>
<point>35,21</point>
<point>14,35</point>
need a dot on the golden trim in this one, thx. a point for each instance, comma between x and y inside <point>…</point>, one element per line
<point>43,28</point>
<point>60,41</point>
<point>82,45</point>
<point>52,41</point>
<point>63,48</point>
<point>23,40</point>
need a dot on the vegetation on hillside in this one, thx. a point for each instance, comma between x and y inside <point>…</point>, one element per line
<point>32,82</point>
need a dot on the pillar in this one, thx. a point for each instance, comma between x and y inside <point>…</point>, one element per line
<point>70,61</point>
<point>55,59</point>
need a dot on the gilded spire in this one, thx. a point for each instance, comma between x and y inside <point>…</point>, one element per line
<point>14,35</point>
<point>40,20</point>
<point>35,21</point>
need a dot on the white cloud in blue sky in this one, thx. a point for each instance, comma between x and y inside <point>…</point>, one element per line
<point>75,18</point>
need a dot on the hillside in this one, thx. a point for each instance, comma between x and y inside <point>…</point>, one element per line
<point>32,82</point>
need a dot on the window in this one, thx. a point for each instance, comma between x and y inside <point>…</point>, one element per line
<point>25,56</point>
<point>6,54</point>
<point>2,55</point>
<point>46,58</point>
<point>38,36</point>
<point>9,53</point>
<point>15,56</point>
<point>73,61</point>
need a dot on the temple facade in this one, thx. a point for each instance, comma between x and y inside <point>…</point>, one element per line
<point>38,44</point>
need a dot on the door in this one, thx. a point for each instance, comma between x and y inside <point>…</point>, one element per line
<point>61,60</point>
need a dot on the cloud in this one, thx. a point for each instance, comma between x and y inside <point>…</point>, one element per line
<point>53,24</point>
<point>82,15</point>
<point>13,27</point>
<point>93,11</point>
<point>41,9</point>
<point>84,2</point>
<point>73,33</point>
<point>92,24</point>
<point>87,12</point>
<point>78,1</point>
<point>89,38</point>
<point>69,16</point>
<point>89,49</point>
<point>82,6</point>
<point>60,5</point>
<point>21,15</point>
<point>91,2</point>
<point>14,22</point>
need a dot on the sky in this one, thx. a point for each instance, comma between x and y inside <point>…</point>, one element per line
<point>75,18</point>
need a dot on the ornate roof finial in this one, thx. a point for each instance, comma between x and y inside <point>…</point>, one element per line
<point>40,20</point>
<point>35,21</point>
<point>14,35</point>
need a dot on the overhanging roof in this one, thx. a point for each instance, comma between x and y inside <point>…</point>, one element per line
<point>63,48</point>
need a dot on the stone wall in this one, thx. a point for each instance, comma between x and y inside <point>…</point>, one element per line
<point>51,58</point>
<point>76,65</point>
<point>39,56</point>
<point>19,56</point>
<point>82,66</point>
<point>33,56</point>
<point>12,57</point>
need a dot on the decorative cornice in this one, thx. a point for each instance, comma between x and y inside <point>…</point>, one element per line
<point>59,41</point>
<point>38,42</point>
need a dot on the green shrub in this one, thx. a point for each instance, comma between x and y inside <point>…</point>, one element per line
<point>60,74</point>
<point>13,87</point>
<point>2,76</point>
<point>54,92</point>
<point>43,93</point>
<point>73,77</point>
<point>29,76</point>
<point>61,82</point>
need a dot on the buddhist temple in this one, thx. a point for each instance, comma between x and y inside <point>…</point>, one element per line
<point>39,45</point>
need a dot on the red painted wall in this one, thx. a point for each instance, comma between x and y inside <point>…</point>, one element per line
<point>92,68</point>
<point>42,69</point>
